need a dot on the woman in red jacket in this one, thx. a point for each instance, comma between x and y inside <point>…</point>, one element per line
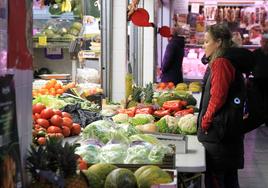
<point>221,112</point>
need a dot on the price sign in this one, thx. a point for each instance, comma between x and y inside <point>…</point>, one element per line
<point>86,54</point>
<point>42,40</point>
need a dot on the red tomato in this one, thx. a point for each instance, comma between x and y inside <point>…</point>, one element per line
<point>68,122</point>
<point>76,129</point>
<point>37,116</point>
<point>38,107</point>
<point>66,114</point>
<point>66,131</point>
<point>56,120</point>
<point>83,165</point>
<point>55,135</point>
<point>170,85</point>
<point>47,113</point>
<point>54,129</point>
<point>43,123</point>
<point>41,140</point>
<point>36,126</point>
<point>58,112</point>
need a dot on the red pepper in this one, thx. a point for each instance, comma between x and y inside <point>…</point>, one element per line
<point>183,103</point>
<point>173,105</point>
<point>161,113</point>
<point>145,110</point>
<point>184,112</point>
<point>130,111</point>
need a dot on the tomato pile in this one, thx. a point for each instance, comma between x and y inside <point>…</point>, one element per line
<point>52,87</point>
<point>49,122</point>
<point>165,86</point>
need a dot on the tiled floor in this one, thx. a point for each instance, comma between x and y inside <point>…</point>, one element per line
<point>255,172</point>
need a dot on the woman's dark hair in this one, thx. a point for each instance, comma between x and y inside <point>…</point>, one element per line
<point>221,32</point>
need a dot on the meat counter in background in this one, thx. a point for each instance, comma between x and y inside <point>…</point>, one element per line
<point>193,68</point>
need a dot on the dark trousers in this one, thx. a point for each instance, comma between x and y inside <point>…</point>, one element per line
<point>262,86</point>
<point>227,179</point>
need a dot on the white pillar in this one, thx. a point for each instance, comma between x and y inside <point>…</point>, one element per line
<point>167,20</point>
<point>149,45</point>
<point>119,51</point>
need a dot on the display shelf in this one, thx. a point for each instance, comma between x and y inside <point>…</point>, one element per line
<point>43,14</point>
<point>52,45</point>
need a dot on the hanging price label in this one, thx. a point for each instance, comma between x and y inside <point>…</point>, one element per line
<point>42,40</point>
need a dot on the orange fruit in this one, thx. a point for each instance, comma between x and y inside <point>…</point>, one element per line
<point>57,86</point>
<point>53,82</point>
<point>60,91</point>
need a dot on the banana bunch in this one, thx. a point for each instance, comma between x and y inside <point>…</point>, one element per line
<point>181,87</point>
<point>66,6</point>
<point>195,87</point>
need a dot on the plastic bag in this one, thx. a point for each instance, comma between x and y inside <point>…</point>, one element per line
<point>113,153</point>
<point>87,75</point>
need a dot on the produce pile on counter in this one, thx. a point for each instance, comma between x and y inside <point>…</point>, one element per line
<point>118,134</point>
<point>153,109</point>
<point>56,88</point>
<point>61,116</point>
<point>109,176</point>
<point>192,87</point>
<point>52,87</point>
<point>107,142</point>
<point>56,165</point>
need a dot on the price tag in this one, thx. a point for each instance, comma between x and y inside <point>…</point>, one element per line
<point>84,54</point>
<point>195,8</point>
<point>42,40</point>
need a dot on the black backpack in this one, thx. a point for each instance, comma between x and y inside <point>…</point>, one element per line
<point>243,60</point>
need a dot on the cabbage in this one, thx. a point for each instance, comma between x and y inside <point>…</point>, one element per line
<point>89,153</point>
<point>157,154</point>
<point>113,153</point>
<point>120,118</point>
<point>100,130</point>
<point>137,154</point>
<point>50,101</point>
<point>187,124</point>
<point>128,129</point>
<point>120,136</point>
<point>141,119</point>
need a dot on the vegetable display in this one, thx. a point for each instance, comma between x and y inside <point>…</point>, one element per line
<point>48,122</point>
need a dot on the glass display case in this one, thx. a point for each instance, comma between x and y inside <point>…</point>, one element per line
<point>3,37</point>
<point>193,68</point>
<point>56,23</point>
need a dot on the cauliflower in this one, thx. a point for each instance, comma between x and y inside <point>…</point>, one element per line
<point>141,119</point>
<point>168,124</point>
<point>120,118</point>
<point>187,124</point>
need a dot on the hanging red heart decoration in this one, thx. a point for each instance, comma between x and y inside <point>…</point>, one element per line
<point>164,31</point>
<point>141,18</point>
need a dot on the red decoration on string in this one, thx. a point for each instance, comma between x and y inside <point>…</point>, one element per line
<point>140,17</point>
